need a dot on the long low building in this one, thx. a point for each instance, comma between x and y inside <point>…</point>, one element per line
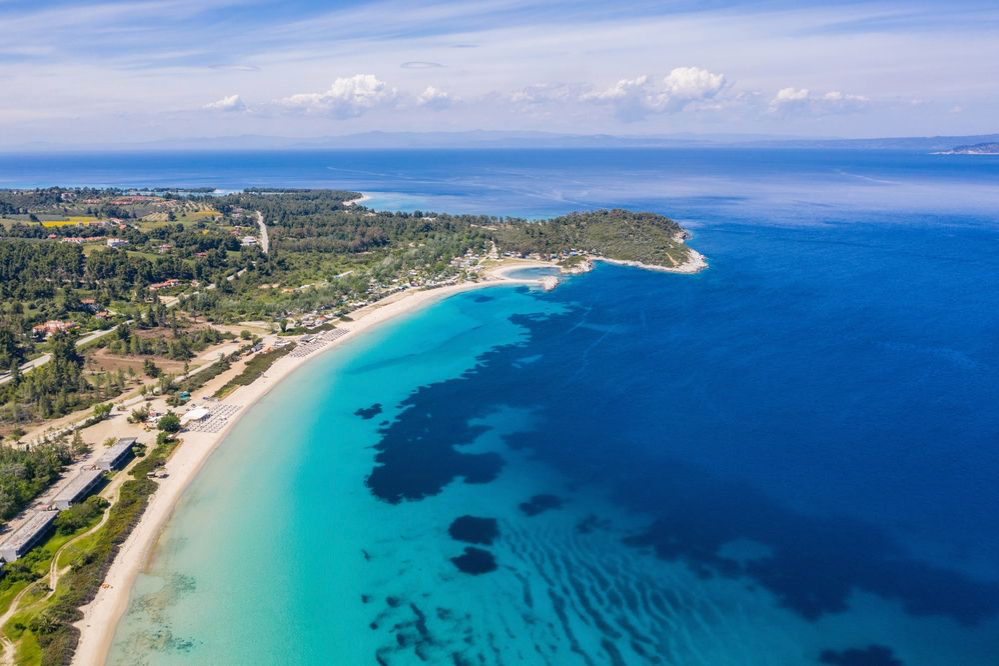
<point>117,454</point>
<point>77,488</point>
<point>27,535</point>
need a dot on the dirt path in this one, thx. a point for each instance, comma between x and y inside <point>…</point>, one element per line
<point>110,493</point>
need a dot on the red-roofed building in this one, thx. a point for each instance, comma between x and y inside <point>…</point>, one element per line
<point>166,284</point>
<point>51,327</point>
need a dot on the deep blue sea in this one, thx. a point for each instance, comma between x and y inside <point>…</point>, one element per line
<point>789,458</point>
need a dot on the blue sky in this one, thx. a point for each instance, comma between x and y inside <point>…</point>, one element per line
<point>134,70</point>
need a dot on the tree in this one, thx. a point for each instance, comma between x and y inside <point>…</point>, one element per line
<point>169,423</point>
<point>150,368</point>
<point>102,410</point>
<point>78,446</point>
<point>80,515</point>
<point>138,415</point>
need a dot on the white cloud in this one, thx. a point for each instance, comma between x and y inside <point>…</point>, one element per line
<point>683,87</point>
<point>230,103</point>
<point>801,100</point>
<point>690,84</point>
<point>543,93</point>
<point>434,98</point>
<point>347,97</point>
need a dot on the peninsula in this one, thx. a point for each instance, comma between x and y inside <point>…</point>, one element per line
<point>162,315</point>
<point>990,148</point>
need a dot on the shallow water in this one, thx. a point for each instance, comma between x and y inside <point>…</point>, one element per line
<point>789,458</point>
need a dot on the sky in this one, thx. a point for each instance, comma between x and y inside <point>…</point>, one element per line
<point>144,70</point>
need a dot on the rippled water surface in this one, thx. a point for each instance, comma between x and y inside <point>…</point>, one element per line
<point>790,458</point>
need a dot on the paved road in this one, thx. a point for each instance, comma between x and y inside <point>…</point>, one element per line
<point>265,245</point>
<point>45,358</point>
<point>265,242</point>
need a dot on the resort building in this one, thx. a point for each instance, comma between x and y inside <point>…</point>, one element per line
<point>196,414</point>
<point>29,534</point>
<point>77,488</point>
<point>116,455</point>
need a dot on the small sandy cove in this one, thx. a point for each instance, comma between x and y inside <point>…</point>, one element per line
<point>100,617</point>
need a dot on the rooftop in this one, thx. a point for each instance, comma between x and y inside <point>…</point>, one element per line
<point>77,485</point>
<point>28,529</point>
<point>116,449</point>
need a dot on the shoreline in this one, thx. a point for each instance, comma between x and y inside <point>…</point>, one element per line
<point>364,197</point>
<point>694,264</point>
<point>102,615</point>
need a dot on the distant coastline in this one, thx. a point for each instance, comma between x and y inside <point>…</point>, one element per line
<point>988,148</point>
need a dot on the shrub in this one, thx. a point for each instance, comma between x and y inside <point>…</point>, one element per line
<point>80,515</point>
<point>169,422</point>
<point>139,415</point>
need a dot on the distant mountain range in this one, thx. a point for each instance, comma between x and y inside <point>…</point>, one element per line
<point>988,148</point>
<point>483,139</point>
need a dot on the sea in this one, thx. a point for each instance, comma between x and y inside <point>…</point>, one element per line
<point>789,458</point>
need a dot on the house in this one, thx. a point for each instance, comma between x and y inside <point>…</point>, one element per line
<point>51,327</point>
<point>166,284</point>
<point>248,240</point>
<point>116,242</point>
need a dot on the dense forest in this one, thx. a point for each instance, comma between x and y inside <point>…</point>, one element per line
<point>616,234</point>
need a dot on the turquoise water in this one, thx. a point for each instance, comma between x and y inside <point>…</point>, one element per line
<point>787,459</point>
<point>296,464</point>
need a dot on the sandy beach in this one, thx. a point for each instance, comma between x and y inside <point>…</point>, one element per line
<point>100,617</point>
<point>360,201</point>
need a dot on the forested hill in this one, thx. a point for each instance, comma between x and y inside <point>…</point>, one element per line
<point>319,220</point>
<point>615,234</point>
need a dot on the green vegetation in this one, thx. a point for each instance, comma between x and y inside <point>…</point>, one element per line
<point>32,567</point>
<point>152,279</point>
<point>169,422</point>
<point>199,379</point>
<point>80,515</point>
<point>25,473</point>
<point>44,630</point>
<point>615,234</point>
<point>188,250</point>
<point>572,261</point>
<point>255,367</point>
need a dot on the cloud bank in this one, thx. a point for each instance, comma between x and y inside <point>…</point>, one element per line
<point>791,101</point>
<point>346,98</point>
<point>634,99</point>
